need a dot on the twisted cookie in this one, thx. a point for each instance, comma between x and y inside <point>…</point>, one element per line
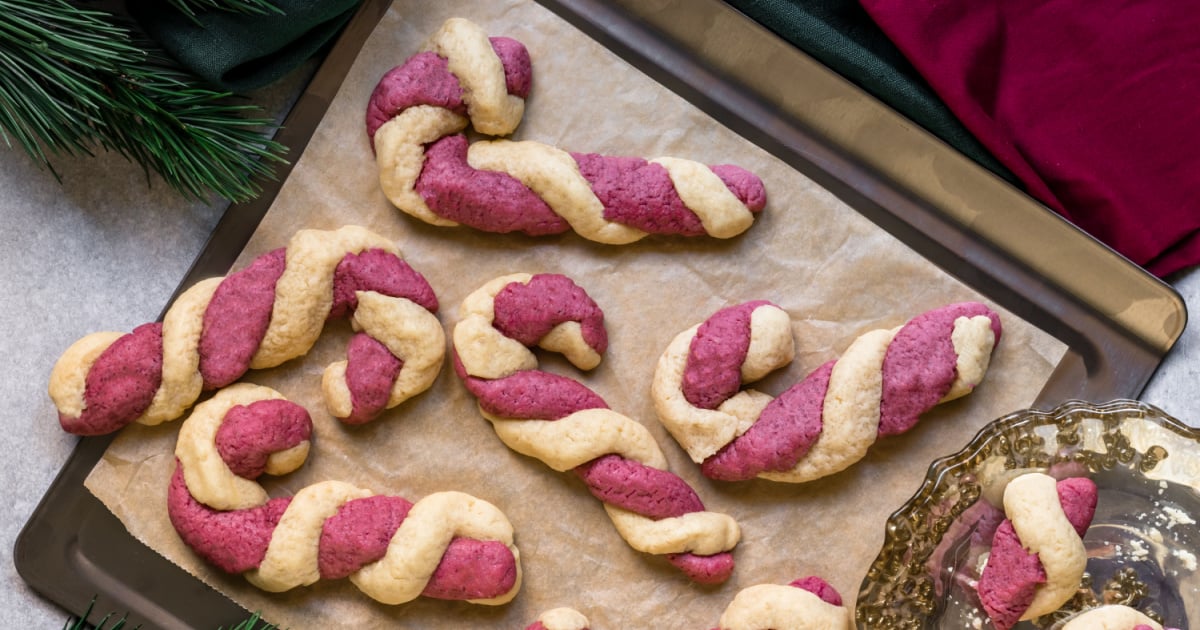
<point>880,386</point>
<point>427,169</point>
<point>1037,557</point>
<point>805,604</point>
<point>259,317</point>
<point>448,545</point>
<point>568,426</point>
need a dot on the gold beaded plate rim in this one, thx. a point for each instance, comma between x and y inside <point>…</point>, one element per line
<point>921,577</point>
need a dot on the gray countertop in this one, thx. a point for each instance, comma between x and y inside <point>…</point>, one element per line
<point>105,249</point>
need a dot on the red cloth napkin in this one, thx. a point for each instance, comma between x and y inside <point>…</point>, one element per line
<point>1093,104</point>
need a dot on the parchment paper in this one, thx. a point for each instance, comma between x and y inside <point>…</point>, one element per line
<point>836,273</point>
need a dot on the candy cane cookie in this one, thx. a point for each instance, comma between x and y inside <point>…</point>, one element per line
<point>821,425</point>
<point>448,545</point>
<point>1037,557</point>
<point>806,604</point>
<point>567,426</point>
<point>428,168</point>
<point>259,317</point>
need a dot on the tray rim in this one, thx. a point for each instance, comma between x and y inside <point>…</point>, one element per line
<point>1115,364</point>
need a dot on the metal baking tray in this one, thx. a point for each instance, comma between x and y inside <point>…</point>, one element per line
<point>1117,321</point>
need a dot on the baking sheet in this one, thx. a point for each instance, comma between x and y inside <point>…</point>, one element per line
<point>838,274</point>
<point>820,293</point>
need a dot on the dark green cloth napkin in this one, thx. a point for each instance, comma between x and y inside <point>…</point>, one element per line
<point>238,51</point>
<point>841,35</point>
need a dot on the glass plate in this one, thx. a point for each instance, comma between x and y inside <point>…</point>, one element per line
<point>1142,545</point>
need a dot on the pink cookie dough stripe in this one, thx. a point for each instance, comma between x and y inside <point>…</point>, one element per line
<point>236,319</point>
<point>744,185</point>
<point>530,394</point>
<point>638,193</point>
<point>425,79</point>
<point>121,383</point>
<point>651,492</point>
<point>1011,577</point>
<point>234,541</point>
<point>713,372</point>
<point>820,588</point>
<point>919,366</point>
<point>526,312</point>
<point>714,569</point>
<point>371,369</point>
<point>359,534</point>
<point>249,434</point>
<point>783,433</point>
<point>379,271</point>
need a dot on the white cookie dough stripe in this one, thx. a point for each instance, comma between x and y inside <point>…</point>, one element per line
<point>553,175</point>
<point>291,558</point>
<point>721,213</point>
<point>973,340</point>
<point>1112,617</point>
<point>563,619</point>
<point>411,333</point>
<point>418,545</point>
<point>472,60</point>
<point>579,438</point>
<point>850,416</point>
<point>304,292</point>
<point>208,477</point>
<point>400,153</point>
<point>701,533</point>
<point>1031,502</point>
<point>779,607</point>
<point>771,346</point>
<point>181,379</point>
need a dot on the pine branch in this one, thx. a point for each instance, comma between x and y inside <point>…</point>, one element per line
<point>192,136</point>
<point>71,80</point>
<point>252,624</point>
<point>80,623</point>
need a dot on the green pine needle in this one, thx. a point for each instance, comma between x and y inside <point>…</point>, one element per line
<point>80,623</point>
<point>254,7</point>
<point>71,81</point>
<point>252,624</point>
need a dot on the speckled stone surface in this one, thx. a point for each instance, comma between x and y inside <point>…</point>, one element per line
<point>105,249</point>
